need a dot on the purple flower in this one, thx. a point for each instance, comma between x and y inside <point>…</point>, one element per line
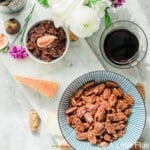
<point>117,3</point>
<point>18,52</point>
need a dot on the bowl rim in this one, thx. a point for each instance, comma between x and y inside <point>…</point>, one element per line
<point>37,59</point>
<point>125,66</point>
<point>102,71</point>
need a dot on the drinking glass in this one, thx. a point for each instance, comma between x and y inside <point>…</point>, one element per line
<point>137,31</point>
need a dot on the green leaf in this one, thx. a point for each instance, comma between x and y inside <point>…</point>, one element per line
<point>108,20</point>
<point>90,3</point>
<point>44,3</point>
<point>5,50</point>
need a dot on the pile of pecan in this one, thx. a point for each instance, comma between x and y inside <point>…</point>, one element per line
<point>99,112</point>
<point>55,49</point>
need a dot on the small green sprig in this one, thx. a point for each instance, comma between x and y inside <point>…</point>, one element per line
<point>44,3</point>
<point>91,3</point>
<point>22,31</point>
<point>108,20</point>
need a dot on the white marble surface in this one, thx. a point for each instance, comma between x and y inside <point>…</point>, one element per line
<point>14,124</point>
<point>79,59</point>
<point>138,12</point>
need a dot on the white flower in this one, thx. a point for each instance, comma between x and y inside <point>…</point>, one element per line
<point>62,9</point>
<point>84,22</point>
<point>100,7</point>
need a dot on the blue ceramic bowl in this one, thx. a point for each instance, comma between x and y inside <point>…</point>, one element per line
<point>135,123</point>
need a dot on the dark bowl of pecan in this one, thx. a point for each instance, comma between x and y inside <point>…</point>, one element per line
<point>45,43</point>
<point>101,110</point>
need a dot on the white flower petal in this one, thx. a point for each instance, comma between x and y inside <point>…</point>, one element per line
<point>62,9</point>
<point>84,22</point>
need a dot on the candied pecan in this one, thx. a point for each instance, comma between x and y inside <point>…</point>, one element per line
<point>106,105</point>
<point>129,99</point>
<point>118,110</point>
<point>107,138</point>
<point>112,100</point>
<point>118,92</point>
<point>121,116</point>
<point>109,128</point>
<point>88,85</point>
<point>78,93</point>
<point>111,84</point>
<point>93,90</point>
<point>100,114</point>
<point>72,36</point>
<point>91,127</point>
<point>81,135</point>
<point>101,88</point>
<point>117,117</point>
<point>115,136</point>
<point>68,119</point>
<point>141,89</point>
<point>81,111</point>
<point>118,126</point>
<point>73,102</point>
<point>71,110</point>
<point>137,146</point>
<point>122,104</point>
<point>111,117</point>
<point>92,137</point>
<point>81,103</point>
<point>40,30</point>
<point>106,93</point>
<point>79,125</point>
<point>99,128</point>
<point>88,117</point>
<point>36,53</point>
<point>86,126</point>
<point>127,112</point>
<point>73,120</point>
<point>34,120</point>
<point>89,99</point>
<point>92,108</point>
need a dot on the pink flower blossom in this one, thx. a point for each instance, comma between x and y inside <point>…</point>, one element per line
<point>18,52</point>
<point>117,3</point>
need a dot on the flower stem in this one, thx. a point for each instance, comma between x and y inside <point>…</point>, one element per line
<point>22,31</point>
<point>27,19</point>
<point>108,20</point>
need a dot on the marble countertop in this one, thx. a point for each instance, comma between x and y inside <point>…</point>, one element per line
<point>81,53</point>
<point>137,11</point>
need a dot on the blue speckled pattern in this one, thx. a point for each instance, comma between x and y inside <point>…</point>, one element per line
<point>136,121</point>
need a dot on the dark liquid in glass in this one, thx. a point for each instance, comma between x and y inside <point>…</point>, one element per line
<point>121,46</point>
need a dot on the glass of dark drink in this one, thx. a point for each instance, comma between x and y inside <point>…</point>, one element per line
<point>123,44</point>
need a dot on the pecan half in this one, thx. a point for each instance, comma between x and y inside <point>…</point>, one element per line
<point>141,89</point>
<point>111,84</point>
<point>34,120</point>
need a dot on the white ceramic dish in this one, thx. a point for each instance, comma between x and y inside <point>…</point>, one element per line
<point>135,124</point>
<point>37,59</point>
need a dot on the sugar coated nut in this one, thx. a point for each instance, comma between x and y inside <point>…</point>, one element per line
<point>141,89</point>
<point>99,112</point>
<point>34,120</point>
